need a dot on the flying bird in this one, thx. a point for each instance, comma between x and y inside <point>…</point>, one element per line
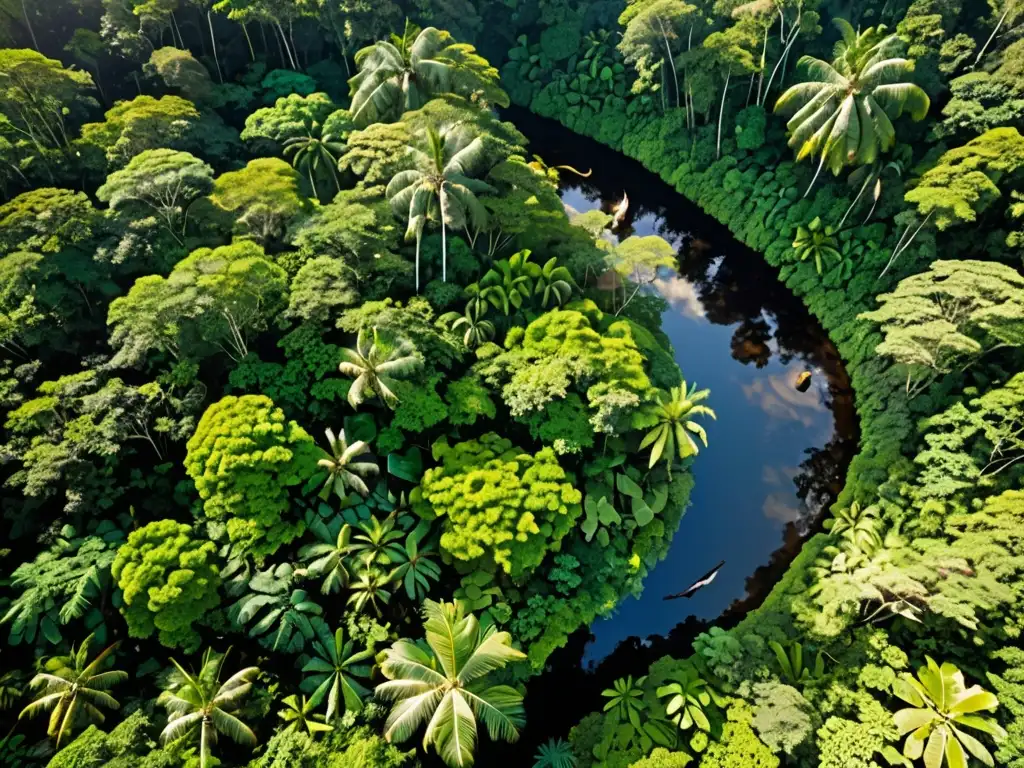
<point>700,583</point>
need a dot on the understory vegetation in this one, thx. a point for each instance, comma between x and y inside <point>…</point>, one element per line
<point>322,430</point>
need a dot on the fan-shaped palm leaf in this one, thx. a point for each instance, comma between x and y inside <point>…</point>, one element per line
<point>674,412</point>
<point>332,671</point>
<point>328,558</point>
<point>405,72</point>
<point>73,688</point>
<point>416,568</point>
<point>439,187</point>
<point>300,715</point>
<point>843,115</point>
<point>443,684</point>
<point>342,471</point>
<point>316,154</point>
<point>198,701</point>
<point>941,706</point>
<point>474,329</point>
<point>376,365</point>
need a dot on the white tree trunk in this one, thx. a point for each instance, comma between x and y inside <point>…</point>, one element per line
<point>721,113</point>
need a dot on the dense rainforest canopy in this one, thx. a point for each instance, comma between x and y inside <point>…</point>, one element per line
<point>325,426</point>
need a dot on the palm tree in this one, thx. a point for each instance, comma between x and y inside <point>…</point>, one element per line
<point>200,701</point>
<point>315,151</point>
<point>371,587</point>
<point>555,753</point>
<point>378,544</point>
<point>443,683</point>
<point>674,413</point>
<point>332,670</point>
<point>416,567</point>
<point>299,713</point>
<point>844,113</point>
<point>329,557</point>
<point>439,187</point>
<point>475,330</point>
<point>816,240</point>
<point>72,686</point>
<point>342,471</point>
<point>376,366</point>
<point>941,705</point>
<point>406,72</point>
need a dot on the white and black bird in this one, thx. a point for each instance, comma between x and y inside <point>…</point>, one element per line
<point>700,583</point>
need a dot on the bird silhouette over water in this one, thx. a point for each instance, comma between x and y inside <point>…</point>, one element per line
<point>700,583</point>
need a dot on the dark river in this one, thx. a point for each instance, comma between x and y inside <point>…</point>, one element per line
<point>776,458</point>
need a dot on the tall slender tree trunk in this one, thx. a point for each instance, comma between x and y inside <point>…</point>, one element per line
<point>855,201</point>
<point>764,53</point>
<point>821,164</point>
<point>669,59</point>
<point>785,52</point>
<point>176,29</point>
<point>248,41</point>
<point>444,241</point>
<point>28,23</point>
<point>419,237</point>
<point>721,113</point>
<point>204,744</point>
<point>213,40</point>
<point>284,41</point>
<point>1009,5</point>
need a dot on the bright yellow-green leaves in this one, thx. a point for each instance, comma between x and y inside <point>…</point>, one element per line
<point>243,457</point>
<point>501,503</point>
<point>941,707</point>
<point>169,580</point>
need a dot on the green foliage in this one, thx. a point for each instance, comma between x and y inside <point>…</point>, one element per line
<point>261,201</point>
<point>446,681</point>
<point>783,718</point>
<point>199,705</point>
<point>561,349</point>
<point>180,71</point>
<point>941,705</point>
<point>943,319</point>
<point>158,182</point>
<point>274,611</point>
<point>243,458</point>
<point>330,671</point>
<point>215,299</point>
<point>963,183</point>
<point>529,504</point>
<point>672,413</point>
<point>554,753</point>
<point>844,112</point>
<point>738,745</point>
<point>171,122</point>
<point>468,399</point>
<point>405,72</point>
<point>73,689</point>
<point>169,581</point>
<point>63,583</point>
<point>299,714</point>
<point>270,127</point>
<point>93,748</point>
<point>376,365</point>
<point>817,240</point>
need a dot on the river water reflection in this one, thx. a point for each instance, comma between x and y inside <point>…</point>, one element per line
<point>777,456</point>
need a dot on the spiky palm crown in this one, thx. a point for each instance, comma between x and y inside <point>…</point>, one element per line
<point>844,112</point>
